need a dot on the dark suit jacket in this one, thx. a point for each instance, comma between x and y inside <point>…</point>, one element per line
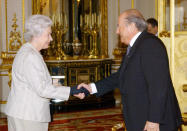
<point>145,85</point>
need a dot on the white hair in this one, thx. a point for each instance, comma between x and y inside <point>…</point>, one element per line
<point>140,22</point>
<point>35,26</point>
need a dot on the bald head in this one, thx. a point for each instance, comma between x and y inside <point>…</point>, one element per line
<point>130,22</point>
<point>132,12</point>
<point>134,16</point>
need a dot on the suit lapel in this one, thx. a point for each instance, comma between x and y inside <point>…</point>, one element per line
<point>133,50</point>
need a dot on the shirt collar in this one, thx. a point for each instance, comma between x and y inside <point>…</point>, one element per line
<point>134,39</point>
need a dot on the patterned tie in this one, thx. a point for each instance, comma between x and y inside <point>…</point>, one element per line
<point>128,49</point>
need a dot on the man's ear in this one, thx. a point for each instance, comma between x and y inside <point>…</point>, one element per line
<point>133,27</point>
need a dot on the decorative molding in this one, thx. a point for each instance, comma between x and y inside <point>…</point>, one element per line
<point>15,36</point>
<point>167,33</point>
<point>164,34</point>
<point>185,88</point>
<point>6,24</point>
<point>23,19</point>
<point>13,45</point>
<point>3,102</point>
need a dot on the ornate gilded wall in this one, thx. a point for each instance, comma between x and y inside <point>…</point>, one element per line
<point>23,9</point>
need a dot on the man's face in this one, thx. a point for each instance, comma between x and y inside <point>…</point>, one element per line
<point>125,30</point>
<point>151,29</point>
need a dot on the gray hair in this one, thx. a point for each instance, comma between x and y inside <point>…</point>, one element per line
<point>140,23</point>
<point>35,26</point>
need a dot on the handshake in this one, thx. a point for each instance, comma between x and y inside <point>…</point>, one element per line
<point>81,90</point>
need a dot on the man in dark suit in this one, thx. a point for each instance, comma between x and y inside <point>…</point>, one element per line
<point>152,26</point>
<point>148,97</point>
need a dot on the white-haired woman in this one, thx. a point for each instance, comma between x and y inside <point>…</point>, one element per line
<point>28,102</point>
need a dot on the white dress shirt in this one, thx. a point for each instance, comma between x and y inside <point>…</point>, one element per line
<point>93,86</point>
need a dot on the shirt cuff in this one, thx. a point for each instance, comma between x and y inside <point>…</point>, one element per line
<point>93,87</point>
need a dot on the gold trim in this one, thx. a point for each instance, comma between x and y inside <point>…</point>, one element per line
<point>172,48</point>
<point>5,67</point>
<point>167,33</point>
<point>23,18</point>
<point>15,36</point>
<point>159,19</point>
<point>185,88</point>
<point>96,70</point>
<point>33,6</point>
<point>3,102</point>
<point>119,126</point>
<point>164,14</point>
<point>156,9</point>
<point>6,25</point>
<point>184,117</point>
<point>1,45</point>
<point>132,3</point>
<point>181,33</point>
<point>3,74</point>
<point>178,25</point>
<point>104,26</point>
<point>164,34</point>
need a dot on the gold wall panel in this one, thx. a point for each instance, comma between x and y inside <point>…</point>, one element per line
<point>180,70</point>
<point>175,39</point>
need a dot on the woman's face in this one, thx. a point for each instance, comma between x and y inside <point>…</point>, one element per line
<point>45,38</point>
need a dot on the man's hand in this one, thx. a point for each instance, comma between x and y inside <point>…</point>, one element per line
<point>150,126</point>
<point>75,91</point>
<point>86,86</point>
<point>80,95</point>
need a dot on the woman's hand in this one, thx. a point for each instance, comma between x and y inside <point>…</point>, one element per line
<point>80,95</point>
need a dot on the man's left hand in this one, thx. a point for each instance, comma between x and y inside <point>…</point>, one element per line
<point>150,126</point>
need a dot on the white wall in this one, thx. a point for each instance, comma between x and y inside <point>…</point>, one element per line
<point>146,7</point>
<point>112,24</point>
<point>4,91</point>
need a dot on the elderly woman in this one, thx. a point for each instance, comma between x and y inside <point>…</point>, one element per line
<point>28,102</point>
